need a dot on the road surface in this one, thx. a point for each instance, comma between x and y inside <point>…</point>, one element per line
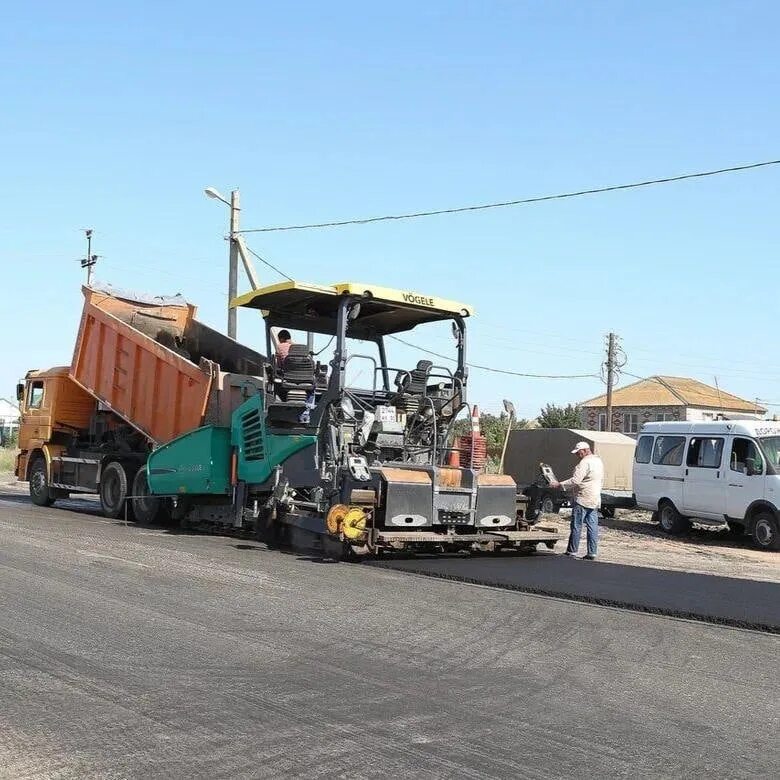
<point>727,600</point>
<point>132,652</point>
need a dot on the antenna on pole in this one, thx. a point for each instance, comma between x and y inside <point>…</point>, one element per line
<point>720,400</point>
<point>90,260</point>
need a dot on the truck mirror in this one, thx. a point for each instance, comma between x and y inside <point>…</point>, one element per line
<point>20,391</point>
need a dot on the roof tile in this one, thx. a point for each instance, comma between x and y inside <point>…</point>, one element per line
<point>675,391</point>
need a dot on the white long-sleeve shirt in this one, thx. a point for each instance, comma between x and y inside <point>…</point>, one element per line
<point>585,484</point>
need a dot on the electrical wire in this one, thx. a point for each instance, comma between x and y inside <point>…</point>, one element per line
<point>519,202</point>
<point>270,265</point>
<point>496,370</point>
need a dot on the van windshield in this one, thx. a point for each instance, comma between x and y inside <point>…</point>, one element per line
<point>771,447</point>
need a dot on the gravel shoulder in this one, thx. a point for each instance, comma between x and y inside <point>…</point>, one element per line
<point>631,538</point>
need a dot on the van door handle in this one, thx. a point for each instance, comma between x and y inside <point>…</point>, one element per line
<point>733,485</point>
<point>686,472</point>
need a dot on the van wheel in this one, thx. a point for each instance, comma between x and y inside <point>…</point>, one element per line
<point>766,533</point>
<point>608,512</point>
<point>39,483</point>
<point>113,491</point>
<point>147,509</point>
<point>671,520</point>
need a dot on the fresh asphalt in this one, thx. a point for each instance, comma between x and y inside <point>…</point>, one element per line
<point>726,600</point>
<point>135,652</point>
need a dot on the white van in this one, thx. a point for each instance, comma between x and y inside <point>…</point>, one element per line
<point>717,473</point>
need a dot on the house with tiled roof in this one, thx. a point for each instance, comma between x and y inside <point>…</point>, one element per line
<point>660,398</point>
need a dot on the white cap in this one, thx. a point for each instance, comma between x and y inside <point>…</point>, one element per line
<point>581,445</point>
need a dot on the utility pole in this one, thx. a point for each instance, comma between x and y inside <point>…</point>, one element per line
<point>235,208</point>
<point>610,377</point>
<point>90,260</point>
<point>238,248</point>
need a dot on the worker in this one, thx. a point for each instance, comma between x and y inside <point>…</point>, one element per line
<point>584,487</point>
<point>283,342</point>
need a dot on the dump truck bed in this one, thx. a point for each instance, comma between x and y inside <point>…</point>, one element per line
<point>151,362</point>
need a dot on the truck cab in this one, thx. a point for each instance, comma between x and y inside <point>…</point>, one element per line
<point>52,408</point>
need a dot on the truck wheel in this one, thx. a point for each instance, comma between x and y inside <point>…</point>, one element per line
<point>766,533</point>
<point>547,507</point>
<point>39,483</point>
<point>148,509</point>
<point>113,491</point>
<point>671,520</point>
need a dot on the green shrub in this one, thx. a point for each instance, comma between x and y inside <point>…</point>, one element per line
<point>7,459</point>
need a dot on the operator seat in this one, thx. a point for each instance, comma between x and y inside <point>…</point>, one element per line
<point>298,375</point>
<point>412,387</point>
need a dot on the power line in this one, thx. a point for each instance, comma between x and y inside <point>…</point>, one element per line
<point>497,370</point>
<point>265,262</point>
<point>522,201</point>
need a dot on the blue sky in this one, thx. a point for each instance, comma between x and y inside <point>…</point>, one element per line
<point>116,116</point>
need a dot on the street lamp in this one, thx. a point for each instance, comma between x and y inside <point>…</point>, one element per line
<point>211,192</point>
<point>235,208</point>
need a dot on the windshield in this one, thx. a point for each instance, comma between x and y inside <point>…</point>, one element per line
<point>771,447</point>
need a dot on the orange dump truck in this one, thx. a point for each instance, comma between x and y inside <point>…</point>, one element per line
<point>144,371</point>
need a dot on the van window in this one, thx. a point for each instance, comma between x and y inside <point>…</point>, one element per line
<point>705,453</point>
<point>771,445</point>
<point>644,449</point>
<point>746,457</point>
<point>668,450</point>
<point>35,395</point>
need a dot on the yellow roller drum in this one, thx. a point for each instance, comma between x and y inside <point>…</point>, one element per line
<point>335,518</point>
<point>353,526</point>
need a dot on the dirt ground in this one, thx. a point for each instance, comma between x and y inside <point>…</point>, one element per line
<point>631,538</point>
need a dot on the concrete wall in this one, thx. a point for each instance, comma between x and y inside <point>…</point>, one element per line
<point>696,414</point>
<point>590,415</point>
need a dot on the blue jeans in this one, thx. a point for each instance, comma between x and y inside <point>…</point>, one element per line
<point>590,517</point>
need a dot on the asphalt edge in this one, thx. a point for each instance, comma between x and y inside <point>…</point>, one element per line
<point>717,620</point>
